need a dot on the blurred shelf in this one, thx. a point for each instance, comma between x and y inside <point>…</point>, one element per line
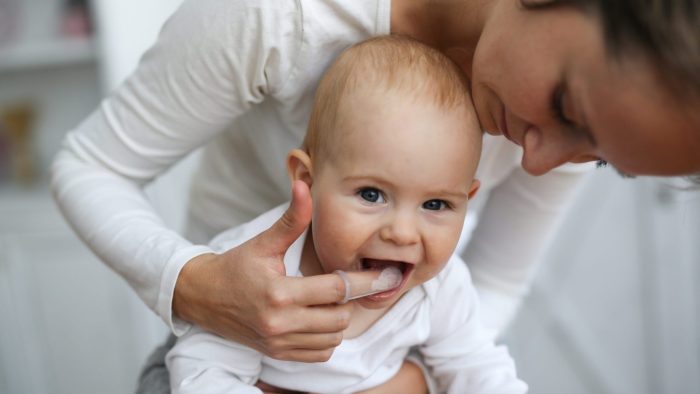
<point>14,195</point>
<point>48,54</point>
<point>29,210</point>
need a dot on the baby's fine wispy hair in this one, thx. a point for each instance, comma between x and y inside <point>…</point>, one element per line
<point>391,63</point>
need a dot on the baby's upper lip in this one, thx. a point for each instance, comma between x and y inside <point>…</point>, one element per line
<point>388,260</point>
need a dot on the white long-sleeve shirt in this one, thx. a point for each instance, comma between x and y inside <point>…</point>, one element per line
<point>238,76</point>
<point>440,317</point>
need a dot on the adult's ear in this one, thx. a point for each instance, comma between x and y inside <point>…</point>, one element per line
<point>299,167</point>
<point>474,188</point>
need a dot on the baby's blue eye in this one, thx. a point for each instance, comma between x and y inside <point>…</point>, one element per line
<point>371,194</point>
<point>435,205</point>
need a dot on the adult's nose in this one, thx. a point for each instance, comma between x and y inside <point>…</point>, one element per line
<point>544,151</point>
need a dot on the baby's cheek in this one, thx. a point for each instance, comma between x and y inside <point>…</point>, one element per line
<point>429,271</point>
<point>443,243</point>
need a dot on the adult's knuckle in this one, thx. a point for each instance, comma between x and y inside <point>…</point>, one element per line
<point>276,344</point>
<point>276,354</point>
<point>277,297</point>
<point>268,349</point>
<point>271,327</point>
<point>325,355</point>
<point>339,288</point>
<point>336,339</point>
<point>343,320</point>
<point>287,221</point>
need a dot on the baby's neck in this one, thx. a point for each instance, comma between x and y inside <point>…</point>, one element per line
<point>362,319</point>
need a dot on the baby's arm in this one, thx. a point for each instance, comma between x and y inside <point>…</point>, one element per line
<point>460,352</point>
<point>202,362</point>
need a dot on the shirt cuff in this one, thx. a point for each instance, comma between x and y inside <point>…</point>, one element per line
<point>164,306</point>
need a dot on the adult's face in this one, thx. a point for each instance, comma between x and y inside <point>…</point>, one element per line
<point>542,78</point>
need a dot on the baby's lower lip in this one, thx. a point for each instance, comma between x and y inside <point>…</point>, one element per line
<point>384,295</point>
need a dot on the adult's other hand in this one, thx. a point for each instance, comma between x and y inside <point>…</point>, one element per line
<point>409,380</point>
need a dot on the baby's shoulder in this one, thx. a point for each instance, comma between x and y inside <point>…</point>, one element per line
<point>453,279</point>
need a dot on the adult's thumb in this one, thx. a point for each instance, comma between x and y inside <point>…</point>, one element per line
<point>294,222</point>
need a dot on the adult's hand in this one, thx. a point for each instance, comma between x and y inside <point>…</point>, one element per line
<point>244,295</point>
<point>409,380</point>
<point>270,389</point>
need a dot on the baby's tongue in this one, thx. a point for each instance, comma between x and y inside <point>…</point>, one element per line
<point>368,282</point>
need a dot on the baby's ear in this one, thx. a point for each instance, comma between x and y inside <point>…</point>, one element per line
<point>474,188</point>
<point>299,166</point>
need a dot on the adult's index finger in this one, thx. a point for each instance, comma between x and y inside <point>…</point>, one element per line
<point>339,287</point>
<point>316,290</point>
<point>360,284</point>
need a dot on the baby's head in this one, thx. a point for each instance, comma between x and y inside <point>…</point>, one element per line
<point>390,155</point>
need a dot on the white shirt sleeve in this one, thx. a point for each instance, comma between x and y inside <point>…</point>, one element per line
<point>514,228</point>
<point>211,63</point>
<point>460,352</point>
<point>204,363</point>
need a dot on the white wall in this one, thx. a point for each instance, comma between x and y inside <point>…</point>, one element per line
<point>615,306</point>
<point>68,324</point>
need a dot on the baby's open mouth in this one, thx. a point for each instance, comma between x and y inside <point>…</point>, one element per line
<point>374,264</point>
<point>376,279</point>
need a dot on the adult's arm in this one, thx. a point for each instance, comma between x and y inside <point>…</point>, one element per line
<point>515,226</point>
<point>212,62</point>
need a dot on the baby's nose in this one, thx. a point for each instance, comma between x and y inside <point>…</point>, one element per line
<point>401,230</point>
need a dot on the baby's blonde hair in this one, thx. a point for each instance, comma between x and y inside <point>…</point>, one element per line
<point>390,64</point>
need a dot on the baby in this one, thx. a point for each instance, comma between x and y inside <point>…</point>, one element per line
<point>389,156</point>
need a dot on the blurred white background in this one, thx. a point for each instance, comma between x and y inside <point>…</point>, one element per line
<point>614,309</point>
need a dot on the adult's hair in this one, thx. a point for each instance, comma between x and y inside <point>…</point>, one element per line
<point>667,32</point>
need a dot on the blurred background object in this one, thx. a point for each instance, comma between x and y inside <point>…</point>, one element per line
<point>9,14</point>
<point>68,324</point>
<point>614,308</point>
<point>16,148</point>
<point>76,19</point>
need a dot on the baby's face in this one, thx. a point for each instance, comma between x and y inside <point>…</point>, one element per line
<point>395,191</point>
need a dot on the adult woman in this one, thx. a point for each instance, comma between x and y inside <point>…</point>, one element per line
<point>244,73</point>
